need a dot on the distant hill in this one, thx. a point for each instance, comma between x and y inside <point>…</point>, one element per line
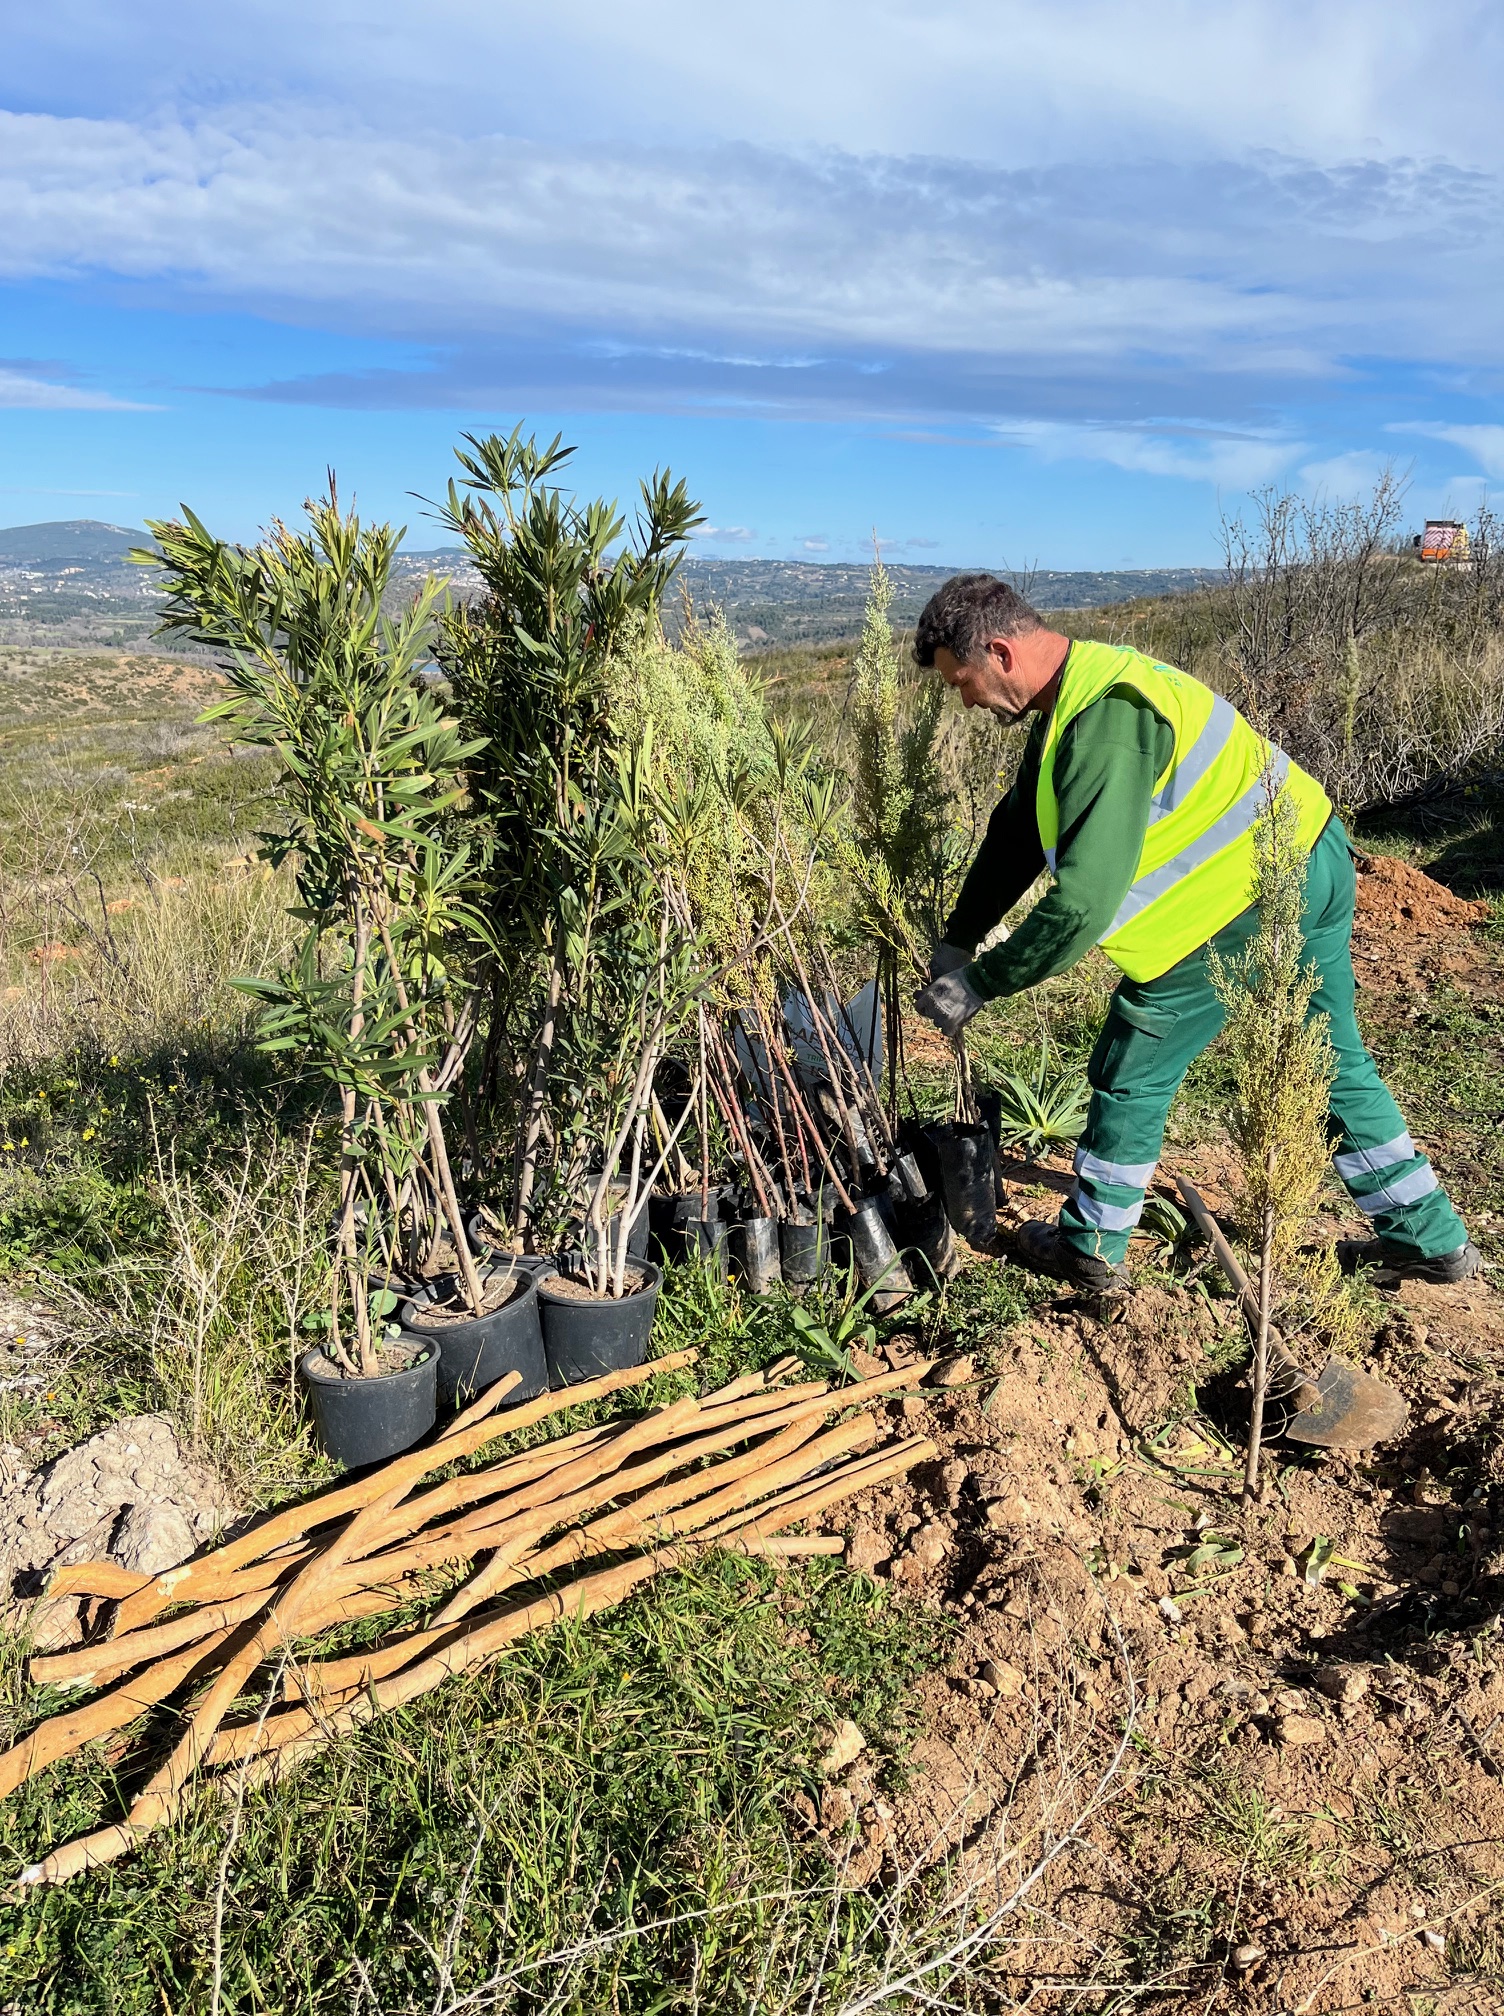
<point>70,583</point>
<point>67,540</point>
<point>813,602</point>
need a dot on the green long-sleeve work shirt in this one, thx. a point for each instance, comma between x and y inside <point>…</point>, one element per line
<point>1106,766</point>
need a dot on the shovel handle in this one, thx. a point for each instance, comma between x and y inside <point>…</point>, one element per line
<point>1227,1260</point>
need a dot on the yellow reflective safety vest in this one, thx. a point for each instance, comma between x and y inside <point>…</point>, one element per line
<point>1195,873</point>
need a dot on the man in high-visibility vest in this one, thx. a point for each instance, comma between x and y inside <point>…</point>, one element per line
<point>1139,790</point>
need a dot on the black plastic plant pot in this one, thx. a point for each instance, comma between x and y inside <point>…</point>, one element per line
<point>484,1237</point>
<point>968,1180</point>
<point>706,1240</point>
<point>363,1421</point>
<point>536,1264</point>
<point>483,1245</point>
<point>923,1225</point>
<point>755,1253</point>
<point>585,1336</point>
<point>905,1183</point>
<point>668,1214</point>
<point>917,1139</point>
<point>990,1110</point>
<point>877,1261</point>
<point>474,1355</point>
<point>805,1245</point>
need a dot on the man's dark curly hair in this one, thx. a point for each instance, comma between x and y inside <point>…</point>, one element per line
<point>969,609</point>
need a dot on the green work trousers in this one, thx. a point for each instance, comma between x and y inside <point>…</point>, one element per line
<point>1155,1029</point>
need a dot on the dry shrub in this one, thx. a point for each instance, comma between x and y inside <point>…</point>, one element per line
<point>217,1307</point>
<point>1382,676</point>
<point>1414,715</point>
<point>134,978</point>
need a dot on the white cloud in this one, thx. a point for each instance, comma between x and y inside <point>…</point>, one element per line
<point>1275,267</point>
<point>818,544</point>
<point>1207,455</point>
<point>1350,475</point>
<point>1485,443</point>
<point>728,535</point>
<point>19,391</point>
<point>1007,81</point>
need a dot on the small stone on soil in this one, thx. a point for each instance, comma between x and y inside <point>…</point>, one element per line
<point>866,1550</point>
<point>952,1476</point>
<point>1346,1684</point>
<point>846,1745</point>
<point>928,1547</point>
<point>1002,1678</point>
<point>1298,1730</point>
<point>952,1372</point>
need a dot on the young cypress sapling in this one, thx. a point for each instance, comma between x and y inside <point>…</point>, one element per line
<point>1283,1067</point>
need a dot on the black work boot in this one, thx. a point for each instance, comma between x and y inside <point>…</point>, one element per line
<point>1044,1249</point>
<point>1461,1264</point>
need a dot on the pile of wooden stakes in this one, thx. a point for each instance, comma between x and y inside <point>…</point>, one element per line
<point>646,1490</point>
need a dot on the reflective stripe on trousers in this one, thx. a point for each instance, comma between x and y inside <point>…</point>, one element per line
<point>1109,1196</point>
<point>1386,1177</point>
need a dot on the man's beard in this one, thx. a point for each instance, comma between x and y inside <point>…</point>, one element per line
<point>1008,716</point>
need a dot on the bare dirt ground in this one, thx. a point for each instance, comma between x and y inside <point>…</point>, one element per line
<point>58,689</point>
<point>1306,1703</point>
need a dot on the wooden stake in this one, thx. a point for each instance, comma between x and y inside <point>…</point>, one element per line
<point>179,1584</point>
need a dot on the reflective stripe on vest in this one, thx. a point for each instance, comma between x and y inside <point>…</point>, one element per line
<point>1239,818</point>
<point>1195,870</point>
<point>1203,752</point>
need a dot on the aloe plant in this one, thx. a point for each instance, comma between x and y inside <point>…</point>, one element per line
<point>1045,1111</point>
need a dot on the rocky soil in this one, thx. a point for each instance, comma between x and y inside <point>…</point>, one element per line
<point>131,1493</point>
<point>1280,1735</point>
<point>1314,1694</point>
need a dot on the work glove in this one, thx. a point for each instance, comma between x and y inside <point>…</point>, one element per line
<point>947,958</point>
<point>949,1002</point>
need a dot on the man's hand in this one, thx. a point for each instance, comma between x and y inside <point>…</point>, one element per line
<point>949,1003</point>
<point>947,958</point>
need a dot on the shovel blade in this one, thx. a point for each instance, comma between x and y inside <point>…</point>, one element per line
<point>1351,1410</point>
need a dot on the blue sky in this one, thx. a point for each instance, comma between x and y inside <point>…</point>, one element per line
<point>1007,284</point>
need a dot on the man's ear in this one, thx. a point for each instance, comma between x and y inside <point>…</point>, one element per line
<point>1001,648</point>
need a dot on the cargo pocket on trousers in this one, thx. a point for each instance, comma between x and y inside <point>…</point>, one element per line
<point>1129,1045</point>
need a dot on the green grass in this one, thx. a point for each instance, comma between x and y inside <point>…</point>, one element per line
<point>632,1770</point>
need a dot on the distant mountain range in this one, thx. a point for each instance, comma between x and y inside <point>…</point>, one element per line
<point>70,583</point>
<point>769,602</point>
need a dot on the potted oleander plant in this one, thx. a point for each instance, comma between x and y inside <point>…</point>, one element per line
<point>589,970</point>
<point>378,999</point>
